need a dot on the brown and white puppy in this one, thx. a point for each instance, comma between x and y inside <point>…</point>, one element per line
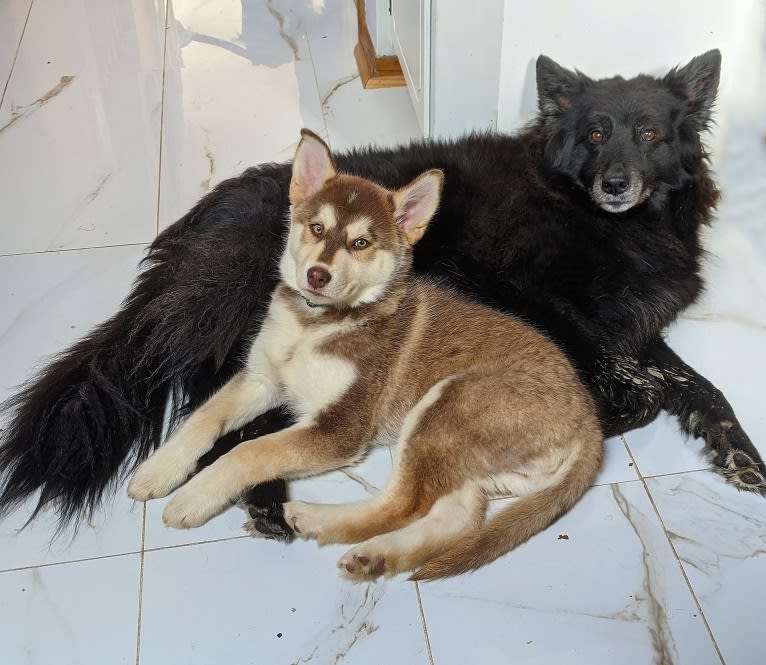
<point>479,403</point>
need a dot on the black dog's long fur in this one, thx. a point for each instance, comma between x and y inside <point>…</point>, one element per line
<point>521,227</point>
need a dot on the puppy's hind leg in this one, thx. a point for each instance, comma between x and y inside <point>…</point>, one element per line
<point>418,480</point>
<point>351,522</point>
<point>240,400</point>
<point>410,547</point>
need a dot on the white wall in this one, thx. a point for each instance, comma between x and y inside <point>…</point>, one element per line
<point>379,26</point>
<point>603,38</point>
<point>482,53</point>
<point>466,47</point>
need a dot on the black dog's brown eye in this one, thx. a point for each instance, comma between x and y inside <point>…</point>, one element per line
<point>648,135</point>
<point>361,243</point>
<point>596,136</point>
<point>317,229</point>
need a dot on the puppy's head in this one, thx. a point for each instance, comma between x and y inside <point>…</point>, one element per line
<point>349,237</point>
<point>624,141</point>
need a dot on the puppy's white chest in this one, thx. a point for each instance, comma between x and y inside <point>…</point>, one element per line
<point>308,378</point>
<point>311,379</point>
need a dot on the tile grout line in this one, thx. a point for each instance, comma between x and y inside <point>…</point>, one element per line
<point>200,542</point>
<point>67,563</point>
<point>162,114</point>
<point>141,586</point>
<point>120,554</point>
<point>685,576</point>
<point>673,549</point>
<point>656,475</point>
<point>16,54</point>
<point>316,85</point>
<point>677,473</point>
<point>424,624</point>
<point>76,249</point>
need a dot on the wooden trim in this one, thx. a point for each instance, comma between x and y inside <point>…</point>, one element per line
<point>375,72</point>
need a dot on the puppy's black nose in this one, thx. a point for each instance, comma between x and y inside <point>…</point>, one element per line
<point>318,277</point>
<point>615,184</point>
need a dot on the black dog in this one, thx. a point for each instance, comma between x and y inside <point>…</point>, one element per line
<point>585,224</point>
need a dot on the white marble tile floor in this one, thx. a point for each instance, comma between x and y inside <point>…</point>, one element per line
<point>115,117</point>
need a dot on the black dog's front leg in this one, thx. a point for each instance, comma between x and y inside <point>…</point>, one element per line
<point>704,413</point>
<point>263,503</point>
<point>627,396</point>
<point>632,391</point>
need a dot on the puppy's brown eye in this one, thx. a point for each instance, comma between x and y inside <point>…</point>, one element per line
<point>596,136</point>
<point>648,135</point>
<point>317,229</point>
<point>361,243</point>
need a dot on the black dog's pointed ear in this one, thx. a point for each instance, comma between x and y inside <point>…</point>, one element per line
<point>697,83</point>
<point>555,86</point>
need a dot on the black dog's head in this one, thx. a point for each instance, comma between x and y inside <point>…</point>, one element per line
<point>622,141</point>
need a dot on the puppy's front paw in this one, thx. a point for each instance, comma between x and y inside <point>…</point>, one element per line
<point>304,519</point>
<point>157,477</point>
<point>194,505</point>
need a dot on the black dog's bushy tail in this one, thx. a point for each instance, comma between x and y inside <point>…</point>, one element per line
<point>75,424</point>
<point>98,408</point>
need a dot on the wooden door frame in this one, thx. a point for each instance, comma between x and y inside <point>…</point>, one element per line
<point>375,72</point>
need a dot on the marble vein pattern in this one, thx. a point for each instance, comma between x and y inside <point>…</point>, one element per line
<point>71,614</point>
<point>116,117</point>
<point>60,102</point>
<point>211,131</point>
<point>286,609</point>
<point>721,543</point>
<point>601,585</point>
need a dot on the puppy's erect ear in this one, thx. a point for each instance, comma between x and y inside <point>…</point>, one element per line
<point>312,167</point>
<point>416,203</point>
<point>697,83</point>
<point>555,87</point>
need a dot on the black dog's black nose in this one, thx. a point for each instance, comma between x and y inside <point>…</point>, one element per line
<point>615,184</point>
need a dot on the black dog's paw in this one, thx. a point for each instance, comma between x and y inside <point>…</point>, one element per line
<point>268,522</point>
<point>263,503</point>
<point>736,459</point>
<point>743,472</point>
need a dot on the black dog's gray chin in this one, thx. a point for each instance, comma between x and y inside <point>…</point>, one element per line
<point>617,206</point>
<point>615,203</point>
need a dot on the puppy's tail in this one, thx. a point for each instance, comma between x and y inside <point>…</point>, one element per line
<point>98,408</point>
<point>518,522</point>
